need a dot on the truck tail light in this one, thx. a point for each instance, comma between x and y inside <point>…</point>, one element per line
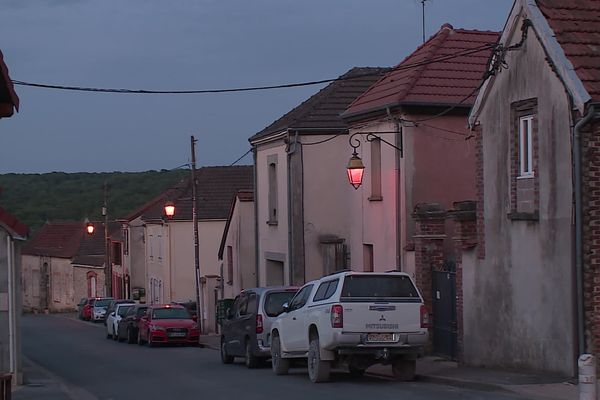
<point>425,323</point>
<point>337,316</point>
<point>259,323</point>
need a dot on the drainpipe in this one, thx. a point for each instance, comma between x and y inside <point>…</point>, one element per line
<point>579,224</point>
<point>11,306</point>
<point>257,247</point>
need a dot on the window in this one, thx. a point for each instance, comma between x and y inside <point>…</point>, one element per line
<point>243,306</point>
<point>526,146</point>
<point>116,253</point>
<point>274,302</point>
<point>160,247</point>
<point>326,290</point>
<point>229,265</point>
<point>91,283</point>
<point>301,298</point>
<point>524,188</point>
<point>272,162</point>
<point>126,244</point>
<point>368,257</point>
<point>375,170</point>
<point>151,245</point>
<point>252,307</point>
<point>378,287</point>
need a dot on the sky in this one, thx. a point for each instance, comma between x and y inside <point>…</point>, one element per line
<point>189,44</point>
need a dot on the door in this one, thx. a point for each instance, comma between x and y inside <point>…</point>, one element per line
<point>444,313</point>
<point>295,332</point>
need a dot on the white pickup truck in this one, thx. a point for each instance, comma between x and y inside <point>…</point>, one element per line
<point>355,319</point>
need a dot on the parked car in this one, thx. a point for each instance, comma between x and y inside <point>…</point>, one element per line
<point>245,332</point>
<point>113,305</point>
<point>84,308</point>
<point>353,319</point>
<point>167,323</point>
<point>190,306</point>
<point>99,309</point>
<point>127,328</point>
<point>113,318</point>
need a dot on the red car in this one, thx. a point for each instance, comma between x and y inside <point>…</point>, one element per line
<point>167,323</point>
<point>84,308</point>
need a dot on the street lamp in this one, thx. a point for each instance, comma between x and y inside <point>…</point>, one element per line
<point>169,209</point>
<point>356,168</point>
<point>89,227</point>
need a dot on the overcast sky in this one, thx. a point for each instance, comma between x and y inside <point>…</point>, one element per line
<point>189,44</point>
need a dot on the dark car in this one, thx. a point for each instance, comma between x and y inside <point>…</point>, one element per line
<point>128,325</point>
<point>113,304</point>
<point>245,332</point>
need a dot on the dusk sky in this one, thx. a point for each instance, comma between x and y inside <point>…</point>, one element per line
<point>189,44</point>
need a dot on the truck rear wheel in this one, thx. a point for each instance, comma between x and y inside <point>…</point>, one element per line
<point>404,370</point>
<point>280,365</point>
<point>318,370</point>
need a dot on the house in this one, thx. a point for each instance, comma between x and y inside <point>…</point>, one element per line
<point>530,287</point>
<point>302,224</point>
<point>237,250</point>
<point>47,271</point>
<point>410,130</point>
<point>88,265</point>
<point>169,243</point>
<point>12,234</point>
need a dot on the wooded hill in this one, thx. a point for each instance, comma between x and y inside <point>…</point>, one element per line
<point>37,198</point>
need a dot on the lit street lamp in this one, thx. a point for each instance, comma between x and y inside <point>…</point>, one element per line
<point>356,168</point>
<point>169,209</point>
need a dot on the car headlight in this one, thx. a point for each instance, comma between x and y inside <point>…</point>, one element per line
<point>157,328</point>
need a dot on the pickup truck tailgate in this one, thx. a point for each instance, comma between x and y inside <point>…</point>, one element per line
<point>380,303</point>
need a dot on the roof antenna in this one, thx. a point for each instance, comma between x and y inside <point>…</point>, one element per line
<point>423,5</point>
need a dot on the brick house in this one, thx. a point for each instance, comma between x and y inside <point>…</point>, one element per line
<point>302,222</point>
<point>530,287</point>
<point>410,130</point>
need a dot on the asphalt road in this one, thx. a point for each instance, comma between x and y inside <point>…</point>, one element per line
<point>90,367</point>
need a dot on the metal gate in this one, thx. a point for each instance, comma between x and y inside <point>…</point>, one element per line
<point>444,313</point>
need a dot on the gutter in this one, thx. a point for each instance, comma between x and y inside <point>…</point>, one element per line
<point>590,115</point>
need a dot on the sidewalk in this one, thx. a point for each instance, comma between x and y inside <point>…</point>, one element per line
<point>38,384</point>
<point>440,371</point>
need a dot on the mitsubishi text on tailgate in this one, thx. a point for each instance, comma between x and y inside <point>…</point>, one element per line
<point>355,319</point>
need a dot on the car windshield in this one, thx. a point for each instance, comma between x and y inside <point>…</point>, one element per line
<point>123,310</point>
<point>275,300</point>
<point>102,302</point>
<point>170,313</point>
<point>378,287</point>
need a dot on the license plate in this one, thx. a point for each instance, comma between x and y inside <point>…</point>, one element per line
<point>380,337</point>
<point>177,334</point>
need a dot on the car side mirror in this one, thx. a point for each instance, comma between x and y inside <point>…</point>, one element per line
<point>112,314</point>
<point>285,307</point>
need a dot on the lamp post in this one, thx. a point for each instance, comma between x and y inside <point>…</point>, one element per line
<point>169,209</point>
<point>107,262</point>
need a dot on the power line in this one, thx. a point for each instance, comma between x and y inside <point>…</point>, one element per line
<point>461,53</point>
<point>239,159</point>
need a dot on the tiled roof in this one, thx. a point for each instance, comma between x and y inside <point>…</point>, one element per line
<point>576,25</point>
<point>56,239</point>
<point>160,199</point>
<point>444,82</point>
<point>215,188</point>
<point>11,222</point>
<point>322,110</point>
<point>8,97</point>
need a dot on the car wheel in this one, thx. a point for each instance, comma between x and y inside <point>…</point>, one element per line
<point>140,340</point>
<point>114,335</point>
<point>318,370</point>
<point>251,360</point>
<point>149,342</point>
<point>225,357</point>
<point>130,337</point>
<point>280,365</point>
<point>119,338</point>
<point>356,372</point>
<point>404,370</point>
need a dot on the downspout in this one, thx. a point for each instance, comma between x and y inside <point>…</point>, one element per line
<point>579,225</point>
<point>256,244</point>
<point>399,221</point>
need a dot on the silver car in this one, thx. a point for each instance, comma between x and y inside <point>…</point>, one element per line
<point>100,306</point>
<point>245,332</point>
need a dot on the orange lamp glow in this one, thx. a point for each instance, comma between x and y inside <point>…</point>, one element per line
<point>355,171</point>
<point>169,209</point>
<point>89,227</point>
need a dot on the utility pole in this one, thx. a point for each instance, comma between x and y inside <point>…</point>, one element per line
<point>199,291</point>
<point>423,4</point>
<point>107,262</point>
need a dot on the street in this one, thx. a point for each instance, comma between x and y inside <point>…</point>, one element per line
<point>90,367</point>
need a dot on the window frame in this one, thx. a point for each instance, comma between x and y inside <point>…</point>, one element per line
<point>327,292</point>
<point>526,140</point>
